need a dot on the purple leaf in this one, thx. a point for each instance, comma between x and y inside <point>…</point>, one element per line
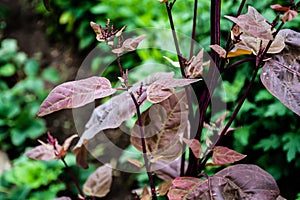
<point>99,182</point>
<point>74,94</point>
<point>253,23</point>
<point>281,74</point>
<point>224,155</point>
<point>163,125</point>
<point>235,182</point>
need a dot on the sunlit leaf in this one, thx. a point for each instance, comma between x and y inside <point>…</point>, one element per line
<point>182,186</point>
<point>289,15</point>
<point>99,182</point>
<point>229,183</point>
<point>163,124</point>
<point>129,44</point>
<point>239,50</point>
<point>68,142</point>
<point>281,74</point>
<point>194,145</point>
<point>97,29</point>
<point>253,23</point>
<point>163,188</point>
<point>219,50</point>
<point>278,7</point>
<point>114,112</point>
<point>145,193</point>
<point>162,89</point>
<point>135,162</point>
<point>175,64</point>
<point>166,170</point>
<point>74,94</point>
<point>224,155</point>
<point>257,44</point>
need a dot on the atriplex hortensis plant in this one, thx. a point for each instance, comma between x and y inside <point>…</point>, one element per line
<point>274,50</point>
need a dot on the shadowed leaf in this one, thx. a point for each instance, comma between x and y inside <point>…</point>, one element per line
<point>196,64</point>
<point>281,74</point>
<point>163,125</point>
<point>224,155</point>
<point>229,183</point>
<point>167,170</point>
<point>41,152</point>
<point>99,182</point>
<point>74,94</point>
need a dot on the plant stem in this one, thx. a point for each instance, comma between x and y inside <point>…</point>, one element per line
<point>239,62</point>
<point>73,177</point>
<point>151,182</point>
<point>180,58</point>
<point>205,96</point>
<point>120,65</point>
<point>259,62</point>
<point>194,28</point>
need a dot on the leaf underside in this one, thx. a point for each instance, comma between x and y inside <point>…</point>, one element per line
<point>281,74</point>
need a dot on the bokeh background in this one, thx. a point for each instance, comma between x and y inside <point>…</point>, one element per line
<point>40,49</point>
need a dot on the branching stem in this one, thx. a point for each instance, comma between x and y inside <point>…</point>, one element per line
<point>142,135</point>
<point>73,177</point>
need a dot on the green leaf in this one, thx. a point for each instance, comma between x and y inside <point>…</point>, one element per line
<point>20,58</point>
<point>292,145</point>
<point>7,70</point>
<point>232,89</point>
<point>241,136</point>
<point>263,95</point>
<point>17,137</point>
<point>51,75</point>
<point>273,142</point>
<point>274,109</point>
<point>36,128</point>
<point>9,45</point>
<point>66,17</point>
<point>31,67</point>
<point>99,9</point>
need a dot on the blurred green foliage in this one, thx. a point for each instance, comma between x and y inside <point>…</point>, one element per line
<point>268,132</point>
<point>22,91</point>
<point>31,179</point>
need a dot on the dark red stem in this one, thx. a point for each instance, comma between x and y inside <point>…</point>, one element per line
<point>142,135</point>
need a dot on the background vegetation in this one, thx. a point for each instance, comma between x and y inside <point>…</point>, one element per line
<point>269,132</point>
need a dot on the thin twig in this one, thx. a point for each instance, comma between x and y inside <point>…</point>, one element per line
<point>180,58</point>
<point>194,28</point>
<point>142,135</point>
<point>240,62</point>
<point>75,181</point>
